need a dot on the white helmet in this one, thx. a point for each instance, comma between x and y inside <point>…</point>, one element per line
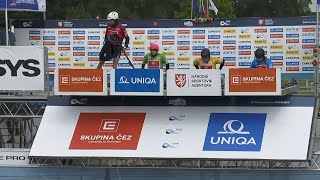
<point>113,15</point>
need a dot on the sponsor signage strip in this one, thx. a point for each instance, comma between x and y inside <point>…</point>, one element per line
<point>183,82</point>
<point>285,40</point>
<point>175,132</point>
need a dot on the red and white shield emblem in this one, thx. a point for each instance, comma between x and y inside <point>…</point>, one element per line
<point>181,80</point>
<point>261,21</point>
<point>60,24</point>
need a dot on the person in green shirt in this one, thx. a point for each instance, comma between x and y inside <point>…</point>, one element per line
<point>154,59</point>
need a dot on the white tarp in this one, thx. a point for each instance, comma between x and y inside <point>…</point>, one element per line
<point>220,132</point>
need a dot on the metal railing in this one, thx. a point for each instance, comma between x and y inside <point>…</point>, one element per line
<point>53,177</point>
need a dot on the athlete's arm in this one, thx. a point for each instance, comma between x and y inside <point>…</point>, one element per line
<point>145,61</point>
<point>253,65</point>
<point>126,43</point>
<point>216,61</point>
<point>221,64</point>
<point>164,61</point>
<point>269,63</point>
<point>125,34</point>
<point>196,64</point>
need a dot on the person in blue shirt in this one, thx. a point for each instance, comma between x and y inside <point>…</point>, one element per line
<point>261,60</point>
<point>3,38</point>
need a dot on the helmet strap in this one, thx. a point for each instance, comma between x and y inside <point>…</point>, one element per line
<point>203,60</point>
<point>154,55</point>
<point>116,22</point>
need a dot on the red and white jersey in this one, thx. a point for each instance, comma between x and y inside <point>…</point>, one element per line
<point>120,30</point>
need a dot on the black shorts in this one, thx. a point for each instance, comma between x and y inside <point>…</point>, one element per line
<point>110,51</point>
<point>115,51</point>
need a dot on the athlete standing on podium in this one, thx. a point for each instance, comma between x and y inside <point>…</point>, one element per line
<point>154,59</point>
<point>206,61</point>
<point>115,33</point>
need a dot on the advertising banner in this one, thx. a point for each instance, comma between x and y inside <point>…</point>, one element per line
<point>80,82</point>
<point>288,42</point>
<point>23,5</point>
<point>246,81</point>
<point>144,82</point>
<point>14,157</point>
<point>217,132</point>
<point>112,135</point>
<point>194,82</point>
<point>23,68</point>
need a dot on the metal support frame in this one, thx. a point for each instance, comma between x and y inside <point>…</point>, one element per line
<point>179,163</point>
<point>23,114</point>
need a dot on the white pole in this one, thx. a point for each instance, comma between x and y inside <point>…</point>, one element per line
<point>191,9</point>
<point>207,9</point>
<point>316,70</point>
<point>7,26</point>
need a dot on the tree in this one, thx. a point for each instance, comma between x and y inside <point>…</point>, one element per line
<point>163,9</point>
<point>271,8</point>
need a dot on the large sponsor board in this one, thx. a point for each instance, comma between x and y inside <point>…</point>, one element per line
<point>23,68</point>
<point>217,132</point>
<point>287,41</point>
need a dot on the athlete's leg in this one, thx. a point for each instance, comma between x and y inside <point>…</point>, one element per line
<point>222,81</point>
<point>116,55</point>
<point>106,49</point>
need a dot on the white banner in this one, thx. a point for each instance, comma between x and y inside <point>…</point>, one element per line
<point>290,48</point>
<point>194,82</point>
<point>23,68</point>
<point>14,157</point>
<point>277,133</point>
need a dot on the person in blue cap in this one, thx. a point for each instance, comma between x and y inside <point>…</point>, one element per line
<point>261,60</point>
